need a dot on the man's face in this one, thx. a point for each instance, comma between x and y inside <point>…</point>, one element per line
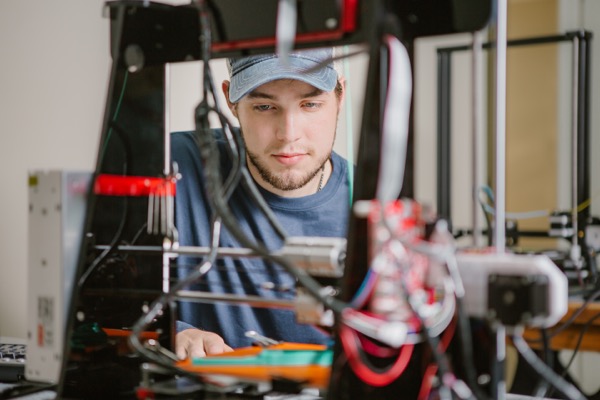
<point>289,129</point>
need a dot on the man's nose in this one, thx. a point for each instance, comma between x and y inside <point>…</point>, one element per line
<point>288,127</point>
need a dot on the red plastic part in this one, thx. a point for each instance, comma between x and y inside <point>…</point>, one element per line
<point>120,185</point>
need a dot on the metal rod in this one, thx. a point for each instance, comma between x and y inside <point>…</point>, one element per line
<point>500,180</point>
<point>185,250</point>
<point>583,154</point>
<point>516,42</point>
<point>500,161</point>
<point>575,152</point>
<point>167,214</point>
<point>166,273</point>
<point>477,104</point>
<point>167,120</point>
<point>584,164</point>
<point>256,301</point>
<point>583,118</point>
<point>444,207</point>
<point>499,382</point>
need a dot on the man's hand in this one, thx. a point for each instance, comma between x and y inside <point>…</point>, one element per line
<point>197,343</point>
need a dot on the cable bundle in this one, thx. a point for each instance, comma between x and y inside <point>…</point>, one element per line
<point>407,297</point>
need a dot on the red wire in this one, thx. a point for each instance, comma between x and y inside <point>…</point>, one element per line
<point>427,382</point>
<point>374,349</point>
<point>448,335</point>
<point>370,377</point>
<point>431,370</point>
<point>368,346</point>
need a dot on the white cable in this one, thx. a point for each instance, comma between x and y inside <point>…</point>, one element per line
<point>396,115</point>
<point>543,370</point>
<point>575,253</point>
<point>500,172</point>
<point>396,333</point>
<point>441,320</point>
<point>287,15</point>
<point>392,333</point>
<point>349,122</point>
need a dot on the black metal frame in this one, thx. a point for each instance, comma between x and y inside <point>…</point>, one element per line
<point>444,136</point>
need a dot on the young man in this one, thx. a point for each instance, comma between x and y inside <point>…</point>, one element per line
<point>288,121</point>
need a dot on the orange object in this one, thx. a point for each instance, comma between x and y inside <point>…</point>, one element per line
<point>313,375</point>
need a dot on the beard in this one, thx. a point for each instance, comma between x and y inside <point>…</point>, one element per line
<point>287,180</point>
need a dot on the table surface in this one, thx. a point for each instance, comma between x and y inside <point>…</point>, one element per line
<point>567,338</point>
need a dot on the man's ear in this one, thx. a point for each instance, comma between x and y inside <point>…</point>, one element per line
<point>342,97</point>
<point>225,88</point>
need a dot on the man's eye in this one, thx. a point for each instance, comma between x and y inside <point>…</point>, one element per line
<point>312,105</point>
<point>263,107</point>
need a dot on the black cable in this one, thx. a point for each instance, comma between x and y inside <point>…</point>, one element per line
<point>210,155</point>
<point>248,184</point>
<point>234,177</point>
<point>464,329</point>
<point>235,142</point>
<point>236,147</point>
<point>114,118</point>
<point>209,152</point>
<point>572,318</point>
<point>159,304</point>
<point>582,333</point>
<point>545,372</point>
<point>99,260</point>
<point>301,19</point>
<point>544,385</point>
<point>138,234</point>
<point>156,308</point>
<point>127,147</point>
<point>24,390</point>
<point>488,221</point>
<point>219,22</point>
<point>440,357</point>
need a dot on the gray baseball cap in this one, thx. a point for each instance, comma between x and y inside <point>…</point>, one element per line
<point>248,73</point>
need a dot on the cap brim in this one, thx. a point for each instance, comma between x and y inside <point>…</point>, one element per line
<point>273,69</point>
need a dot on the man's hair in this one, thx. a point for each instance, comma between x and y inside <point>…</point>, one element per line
<point>339,89</point>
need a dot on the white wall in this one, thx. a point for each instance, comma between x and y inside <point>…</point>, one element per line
<point>53,78</point>
<point>425,109</point>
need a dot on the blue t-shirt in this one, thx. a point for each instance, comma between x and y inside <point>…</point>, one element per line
<point>323,214</point>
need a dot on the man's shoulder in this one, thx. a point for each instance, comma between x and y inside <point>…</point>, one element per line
<point>182,135</point>
<point>188,138</point>
<point>336,157</point>
<point>339,163</point>
<point>189,135</point>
